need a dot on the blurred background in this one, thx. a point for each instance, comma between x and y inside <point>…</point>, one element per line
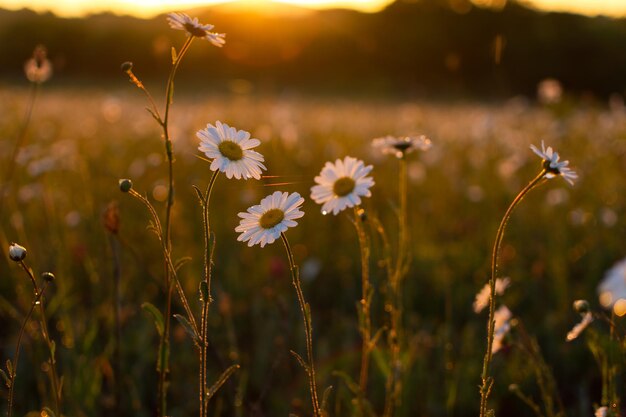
<point>314,81</point>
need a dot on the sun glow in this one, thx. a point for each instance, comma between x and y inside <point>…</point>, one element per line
<point>150,8</point>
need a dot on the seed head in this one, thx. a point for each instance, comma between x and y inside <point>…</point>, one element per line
<point>48,276</point>
<point>125,185</point>
<point>581,306</point>
<point>127,66</point>
<point>17,252</point>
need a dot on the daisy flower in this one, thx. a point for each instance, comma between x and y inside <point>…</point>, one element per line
<point>482,298</point>
<point>231,151</point>
<point>502,326</point>
<point>342,184</point>
<point>265,222</point>
<point>552,165</point>
<point>612,288</point>
<point>181,21</point>
<point>38,69</point>
<point>400,146</point>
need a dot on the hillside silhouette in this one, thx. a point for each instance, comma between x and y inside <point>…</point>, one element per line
<point>417,47</point>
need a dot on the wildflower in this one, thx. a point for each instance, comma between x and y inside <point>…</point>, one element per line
<point>602,412</point>
<point>549,91</point>
<point>231,151</point>
<point>482,298</point>
<point>578,329</point>
<point>342,184</point>
<point>400,146</point>
<point>552,165</point>
<point>181,21</point>
<point>612,289</point>
<point>17,253</point>
<point>265,222</point>
<point>38,69</point>
<point>502,326</point>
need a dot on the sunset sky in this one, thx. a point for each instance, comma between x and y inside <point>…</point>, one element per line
<point>147,8</point>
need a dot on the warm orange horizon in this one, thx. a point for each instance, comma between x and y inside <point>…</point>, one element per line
<point>150,8</point>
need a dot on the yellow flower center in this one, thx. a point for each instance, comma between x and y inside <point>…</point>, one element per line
<point>194,30</point>
<point>230,150</point>
<point>271,218</point>
<point>343,186</point>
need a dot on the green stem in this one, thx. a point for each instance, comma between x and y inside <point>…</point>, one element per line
<point>308,327</point>
<point>54,379</point>
<point>18,345</point>
<point>365,321</point>
<point>487,381</point>
<point>206,301</point>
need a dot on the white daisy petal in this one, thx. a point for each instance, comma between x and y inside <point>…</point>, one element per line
<point>263,223</point>
<point>193,28</point>
<point>552,165</point>
<point>342,184</point>
<point>222,144</point>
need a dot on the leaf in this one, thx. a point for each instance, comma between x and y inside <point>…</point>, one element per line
<point>325,397</point>
<point>7,380</point>
<point>188,328</point>
<point>174,55</point>
<point>199,195</point>
<point>300,360</point>
<point>180,262</point>
<point>164,356</point>
<point>347,379</point>
<point>204,291</point>
<point>221,381</point>
<point>53,350</point>
<point>154,115</point>
<point>10,367</point>
<point>156,316</point>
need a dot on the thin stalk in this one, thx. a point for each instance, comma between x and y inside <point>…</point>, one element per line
<point>19,143</point>
<point>393,387</point>
<point>162,384</point>
<point>206,299</point>
<point>308,328</point>
<point>117,357</point>
<point>18,346</point>
<point>365,322</point>
<point>487,381</point>
<point>54,379</point>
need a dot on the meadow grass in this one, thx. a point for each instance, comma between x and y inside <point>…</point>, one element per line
<point>557,246</point>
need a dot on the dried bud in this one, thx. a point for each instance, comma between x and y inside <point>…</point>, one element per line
<point>17,253</point>
<point>48,276</point>
<point>127,66</point>
<point>362,214</point>
<point>125,185</point>
<point>581,306</point>
<point>111,217</point>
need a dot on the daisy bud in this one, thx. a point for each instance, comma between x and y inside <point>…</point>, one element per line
<point>17,253</point>
<point>125,185</point>
<point>48,276</point>
<point>581,306</point>
<point>127,66</point>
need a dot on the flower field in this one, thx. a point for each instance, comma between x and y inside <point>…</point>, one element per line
<point>389,274</point>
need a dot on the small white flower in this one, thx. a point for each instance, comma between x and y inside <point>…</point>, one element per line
<point>502,326</point>
<point>231,151</point>
<point>181,21</point>
<point>552,165</point>
<point>602,412</point>
<point>578,329</point>
<point>38,69</point>
<point>342,184</point>
<point>482,298</point>
<point>612,288</point>
<point>400,146</point>
<point>17,252</point>
<point>265,222</point>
